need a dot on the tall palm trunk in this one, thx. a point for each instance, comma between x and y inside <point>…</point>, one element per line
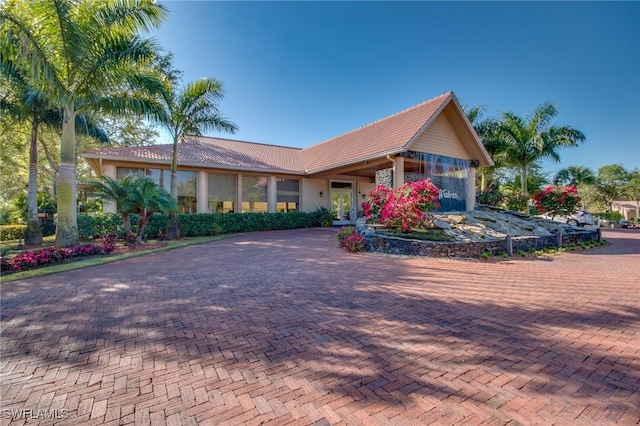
<point>33,234</point>
<point>523,177</point>
<point>173,228</point>
<point>67,225</point>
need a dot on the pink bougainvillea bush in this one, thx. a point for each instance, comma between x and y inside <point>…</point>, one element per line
<point>33,258</point>
<point>376,199</point>
<point>403,208</point>
<point>557,200</point>
<point>354,242</point>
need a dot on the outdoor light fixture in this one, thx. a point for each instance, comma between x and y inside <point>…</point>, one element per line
<point>321,194</point>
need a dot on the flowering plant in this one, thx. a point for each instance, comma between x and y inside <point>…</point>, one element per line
<point>376,199</point>
<point>29,259</point>
<point>343,232</point>
<point>558,200</point>
<point>403,208</point>
<point>354,242</point>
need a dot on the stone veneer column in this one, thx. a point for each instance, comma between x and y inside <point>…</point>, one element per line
<point>398,173</point>
<point>272,194</point>
<point>203,192</point>
<point>109,206</point>
<point>471,189</point>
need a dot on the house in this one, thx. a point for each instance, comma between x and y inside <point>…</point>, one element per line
<point>628,209</point>
<point>432,139</point>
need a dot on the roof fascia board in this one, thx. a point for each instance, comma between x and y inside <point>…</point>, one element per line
<point>472,132</point>
<point>195,165</point>
<point>350,162</point>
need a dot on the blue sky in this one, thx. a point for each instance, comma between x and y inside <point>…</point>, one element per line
<point>297,73</point>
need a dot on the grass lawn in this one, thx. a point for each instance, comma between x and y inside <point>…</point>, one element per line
<point>98,259</point>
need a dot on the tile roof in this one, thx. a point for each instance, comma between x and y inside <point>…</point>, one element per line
<point>387,135</point>
<point>212,152</point>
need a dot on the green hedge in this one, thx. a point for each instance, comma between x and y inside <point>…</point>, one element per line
<point>12,232</point>
<point>201,224</point>
<point>99,224</point>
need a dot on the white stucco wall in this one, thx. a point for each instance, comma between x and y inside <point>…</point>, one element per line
<point>310,198</point>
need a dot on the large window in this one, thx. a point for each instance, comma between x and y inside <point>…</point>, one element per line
<point>223,193</point>
<point>288,195</point>
<point>254,194</point>
<point>187,184</point>
<point>123,172</point>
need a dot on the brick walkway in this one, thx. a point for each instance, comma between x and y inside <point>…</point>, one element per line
<point>284,328</point>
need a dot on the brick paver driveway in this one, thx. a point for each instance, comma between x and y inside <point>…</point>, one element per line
<point>283,327</point>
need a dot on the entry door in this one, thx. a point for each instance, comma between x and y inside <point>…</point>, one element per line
<point>342,204</point>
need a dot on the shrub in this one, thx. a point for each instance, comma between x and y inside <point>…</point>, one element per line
<point>354,242</point>
<point>490,196</point>
<point>516,201</point>
<point>343,232</point>
<point>93,225</point>
<point>402,208</point>
<point>30,259</point>
<point>203,224</point>
<point>131,239</point>
<point>12,232</point>
<point>558,200</point>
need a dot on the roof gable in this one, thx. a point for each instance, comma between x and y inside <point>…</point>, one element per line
<point>388,135</point>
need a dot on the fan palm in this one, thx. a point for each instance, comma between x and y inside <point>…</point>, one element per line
<point>574,175</point>
<point>191,111</point>
<point>527,140</point>
<point>83,56</point>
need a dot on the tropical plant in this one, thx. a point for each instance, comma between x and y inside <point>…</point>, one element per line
<point>82,56</point>
<point>26,103</point>
<point>488,130</point>
<point>148,199</point>
<point>574,176</point>
<point>527,140</point>
<point>354,242</point>
<point>191,111</point>
<point>402,208</point>
<point>343,232</point>
<point>557,200</point>
<point>121,192</point>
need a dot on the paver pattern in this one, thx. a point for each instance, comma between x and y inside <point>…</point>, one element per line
<point>285,328</point>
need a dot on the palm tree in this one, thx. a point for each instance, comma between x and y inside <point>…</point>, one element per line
<point>83,56</point>
<point>25,102</point>
<point>120,192</point>
<point>191,111</point>
<point>527,140</point>
<point>148,198</point>
<point>574,175</point>
<point>488,131</point>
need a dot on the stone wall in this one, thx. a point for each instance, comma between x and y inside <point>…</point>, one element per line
<point>378,243</point>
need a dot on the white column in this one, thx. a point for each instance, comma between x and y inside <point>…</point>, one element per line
<point>398,173</point>
<point>203,191</point>
<point>272,194</point>
<point>239,194</point>
<point>108,206</point>
<point>471,189</point>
